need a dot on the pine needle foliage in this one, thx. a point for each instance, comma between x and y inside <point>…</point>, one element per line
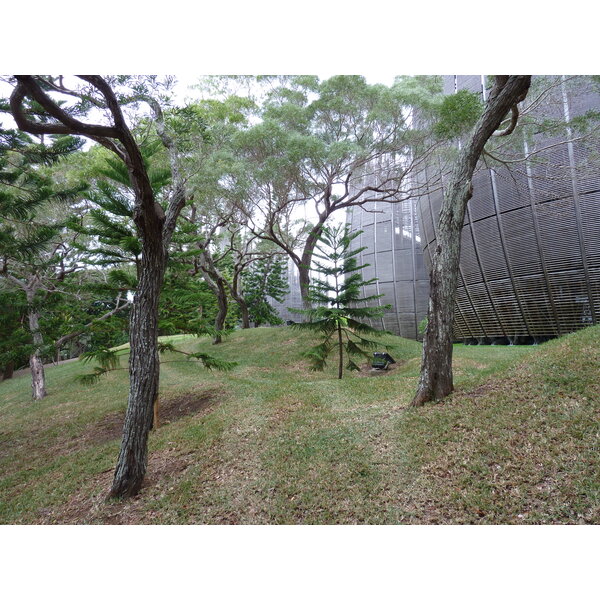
<point>108,360</point>
<point>264,279</point>
<point>339,306</point>
<point>110,224</point>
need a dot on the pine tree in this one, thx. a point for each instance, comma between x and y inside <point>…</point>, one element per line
<point>154,227</point>
<point>337,317</point>
<point>15,341</point>
<point>37,252</point>
<point>110,224</point>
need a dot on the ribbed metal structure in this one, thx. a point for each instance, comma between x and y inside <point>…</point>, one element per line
<point>293,298</point>
<point>530,259</point>
<point>394,256</point>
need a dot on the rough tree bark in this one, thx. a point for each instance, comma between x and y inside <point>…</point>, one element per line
<point>241,302</point>
<point>144,366</point>
<point>38,376</point>
<point>216,282</point>
<point>436,367</point>
<point>154,229</point>
<point>221,294</point>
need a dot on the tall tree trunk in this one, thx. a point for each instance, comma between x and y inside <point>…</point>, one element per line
<point>143,368</point>
<point>436,380</point>
<point>243,311</point>
<point>436,367</point>
<point>304,279</point>
<point>38,377</point>
<point>154,229</point>
<point>306,260</point>
<point>221,294</point>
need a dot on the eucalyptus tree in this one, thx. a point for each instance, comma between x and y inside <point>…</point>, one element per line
<point>222,250</point>
<point>518,128</point>
<point>203,231</point>
<point>108,126</point>
<point>220,253</point>
<point>324,146</point>
<point>436,380</point>
<point>239,251</point>
<point>211,227</point>
<point>255,272</point>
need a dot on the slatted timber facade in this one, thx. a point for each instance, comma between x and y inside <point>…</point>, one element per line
<point>390,233</point>
<point>530,258</point>
<point>293,297</point>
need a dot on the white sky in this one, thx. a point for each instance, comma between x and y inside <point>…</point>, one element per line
<point>376,38</point>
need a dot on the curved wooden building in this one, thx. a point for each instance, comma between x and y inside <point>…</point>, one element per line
<point>530,258</point>
<point>292,299</point>
<point>391,235</point>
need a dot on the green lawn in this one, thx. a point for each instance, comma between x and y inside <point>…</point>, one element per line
<point>271,442</point>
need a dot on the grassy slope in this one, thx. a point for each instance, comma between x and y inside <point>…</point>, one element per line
<point>518,442</point>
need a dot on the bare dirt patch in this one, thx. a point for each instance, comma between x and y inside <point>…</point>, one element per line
<point>367,371</point>
<point>110,427</point>
<point>173,409</point>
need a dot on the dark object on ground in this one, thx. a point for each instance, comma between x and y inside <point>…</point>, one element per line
<point>289,322</point>
<point>381,360</point>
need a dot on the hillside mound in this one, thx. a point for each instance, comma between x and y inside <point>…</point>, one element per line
<point>273,442</point>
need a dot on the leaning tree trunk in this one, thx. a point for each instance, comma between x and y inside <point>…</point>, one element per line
<point>38,377</point>
<point>243,312</point>
<point>143,369</point>
<point>221,294</point>
<point>436,381</point>
<point>234,288</point>
<point>436,367</point>
<point>306,260</point>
